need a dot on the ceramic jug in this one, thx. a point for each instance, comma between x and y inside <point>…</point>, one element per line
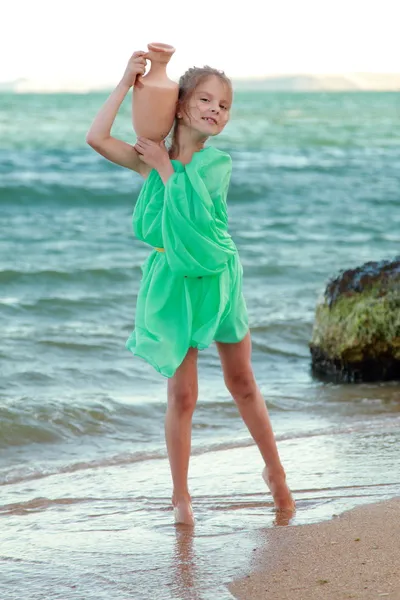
<point>155,96</point>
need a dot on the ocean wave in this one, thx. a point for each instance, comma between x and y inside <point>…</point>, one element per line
<point>24,421</point>
<point>58,306</point>
<point>42,276</point>
<point>104,193</point>
<point>30,472</point>
<point>73,346</point>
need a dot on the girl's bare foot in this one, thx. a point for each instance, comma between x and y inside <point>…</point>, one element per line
<point>183,512</point>
<point>279,489</point>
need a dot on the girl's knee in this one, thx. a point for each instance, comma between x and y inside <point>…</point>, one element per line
<point>183,400</point>
<point>242,386</point>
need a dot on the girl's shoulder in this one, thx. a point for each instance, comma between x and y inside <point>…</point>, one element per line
<point>211,156</point>
<point>213,167</point>
<point>213,152</point>
<point>203,158</point>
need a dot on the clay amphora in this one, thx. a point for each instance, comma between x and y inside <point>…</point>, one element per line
<point>155,96</point>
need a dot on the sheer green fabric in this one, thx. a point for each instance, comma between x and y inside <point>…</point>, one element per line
<point>191,294</point>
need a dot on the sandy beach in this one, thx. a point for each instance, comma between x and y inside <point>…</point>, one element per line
<point>356,555</point>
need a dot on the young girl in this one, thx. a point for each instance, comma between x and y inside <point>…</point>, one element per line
<point>191,289</point>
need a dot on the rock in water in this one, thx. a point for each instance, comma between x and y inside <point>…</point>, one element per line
<point>356,335</point>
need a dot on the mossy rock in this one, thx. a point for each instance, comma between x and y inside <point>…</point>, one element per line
<point>356,334</point>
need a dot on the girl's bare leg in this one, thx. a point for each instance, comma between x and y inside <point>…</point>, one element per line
<point>240,381</point>
<point>182,398</point>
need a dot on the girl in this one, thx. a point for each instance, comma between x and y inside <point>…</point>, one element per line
<point>191,289</point>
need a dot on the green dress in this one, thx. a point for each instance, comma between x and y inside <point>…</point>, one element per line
<point>190,294</point>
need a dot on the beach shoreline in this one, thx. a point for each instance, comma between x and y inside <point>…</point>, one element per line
<point>355,555</point>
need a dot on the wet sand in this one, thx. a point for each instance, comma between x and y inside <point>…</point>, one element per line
<point>356,555</point>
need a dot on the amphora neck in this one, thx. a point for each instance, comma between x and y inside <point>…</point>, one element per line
<point>159,54</point>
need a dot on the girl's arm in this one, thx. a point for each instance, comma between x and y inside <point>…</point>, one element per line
<point>99,135</point>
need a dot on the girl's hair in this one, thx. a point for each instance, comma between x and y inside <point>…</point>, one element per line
<point>188,82</point>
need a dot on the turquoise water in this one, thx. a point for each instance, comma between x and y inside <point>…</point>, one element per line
<point>315,189</point>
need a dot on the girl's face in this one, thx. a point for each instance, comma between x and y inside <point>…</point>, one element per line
<point>208,108</point>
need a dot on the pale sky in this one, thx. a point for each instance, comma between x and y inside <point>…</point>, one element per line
<point>89,42</point>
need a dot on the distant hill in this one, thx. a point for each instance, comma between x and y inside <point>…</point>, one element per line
<point>24,86</point>
<point>287,83</point>
<point>10,86</point>
<point>310,83</point>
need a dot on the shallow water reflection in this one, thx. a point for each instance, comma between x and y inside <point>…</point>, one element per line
<point>107,532</point>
